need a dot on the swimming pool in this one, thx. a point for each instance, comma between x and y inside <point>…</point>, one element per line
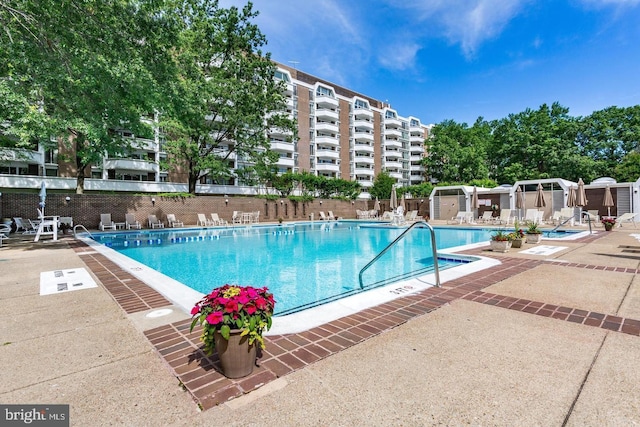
<point>304,264</point>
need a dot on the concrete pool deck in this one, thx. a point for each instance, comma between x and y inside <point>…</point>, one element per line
<point>537,340</point>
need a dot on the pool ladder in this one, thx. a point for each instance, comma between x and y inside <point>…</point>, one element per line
<point>400,237</point>
<point>83,227</point>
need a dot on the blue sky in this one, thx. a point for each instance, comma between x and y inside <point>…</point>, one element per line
<point>461,59</point>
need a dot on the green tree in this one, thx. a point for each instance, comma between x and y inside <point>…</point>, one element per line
<point>608,135</point>
<point>629,168</point>
<point>382,185</point>
<point>224,98</point>
<point>77,70</point>
<point>457,152</point>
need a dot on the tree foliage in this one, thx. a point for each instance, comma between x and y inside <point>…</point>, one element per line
<point>382,185</point>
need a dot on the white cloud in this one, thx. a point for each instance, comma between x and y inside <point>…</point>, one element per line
<point>399,56</point>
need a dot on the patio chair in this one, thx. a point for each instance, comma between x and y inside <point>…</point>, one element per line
<point>21,226</point>
<point>504,218</point>
<point>4,232</point>
<point>323,217</point>
<point>106,223</point>
<point>411,216</point>
<point>331,216</point>
<point>154,222</point>
<point>173,222</point>
<point>627,217</point>
<point>532,215</point>
<point>131,222</point>
<point>593,217</point>
<point>203,221</point>
<point>459,218</point>
<point>216,220</point>
<point>487,216</point>
<point>236,218</point>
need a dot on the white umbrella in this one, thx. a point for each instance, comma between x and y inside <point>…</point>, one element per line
<point>43,197</point>
<point>608,200</point>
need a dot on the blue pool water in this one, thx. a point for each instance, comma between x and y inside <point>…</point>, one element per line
<point>303,264</point>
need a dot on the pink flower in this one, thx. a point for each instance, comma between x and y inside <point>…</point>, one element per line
<point>215,317</point>
<point>231,306</point>
<point>195,310</point>
<point>261,303</point>
<point>250,308</point>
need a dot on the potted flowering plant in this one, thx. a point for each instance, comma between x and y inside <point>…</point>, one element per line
<point>500,241</point>
<point>233,319</point>
<point>517,236</point>
<point>608,222</point>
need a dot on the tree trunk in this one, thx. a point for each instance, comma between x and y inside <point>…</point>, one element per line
<point>193,180</point>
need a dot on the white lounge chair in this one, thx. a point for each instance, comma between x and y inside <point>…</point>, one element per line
<point>627,217</point>
<point>386,216</point>
<point>131,222</point>
<point>323,217</point>
<point>216,220</point>
<point>459,218</point>
<point>533,215</point>
<point>331,216</point>
<point>203,221</point>
<point>411,216</point>
<point>236,218</point>
<point>173,222</point>
<point>487,216</point>
<point>505,217</point>
<point>154,222</point>
<point>4,232</point>
<point>106,223</point>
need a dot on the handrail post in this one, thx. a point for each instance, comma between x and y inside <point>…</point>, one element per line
<point>400,237</point>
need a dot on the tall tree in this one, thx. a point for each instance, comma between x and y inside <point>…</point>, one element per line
<point>224,99</point>
<point>80,69</point>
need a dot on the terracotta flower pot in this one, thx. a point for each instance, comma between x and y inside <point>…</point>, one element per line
<point>237,357</point>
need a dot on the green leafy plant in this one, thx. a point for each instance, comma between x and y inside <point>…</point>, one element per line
<point>501,236</point>
<point>533,228</point>
<point>234,307</point>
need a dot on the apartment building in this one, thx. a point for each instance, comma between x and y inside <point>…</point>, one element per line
<point>341,134</point>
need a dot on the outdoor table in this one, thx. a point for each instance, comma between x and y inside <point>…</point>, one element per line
<point>120,225</point>
<point>46,222</point>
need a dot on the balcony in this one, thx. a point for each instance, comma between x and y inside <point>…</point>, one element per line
<point>363,148</point>
<point>390,132</point>
<point>364,171</point>
<point>416,159</point>
<point>326,101</point>
<point>287,162</point>
<point>392,123</point>
<point>327,154</point>
<point>131,165</point>
<point>282,147</point>
<point>363,136</point>
<point>332,141</point>
<point>327,127</point>
<point>363,124</point>
<point>364,181</point>
<point>390,164</point>
<point>392,143</point>
<point>362,113</point>
<point>327,114</point>
<point>327,167</point>
<point>396,175</point>
<point>417,139</point>
<point>145,144</point>
<point>275,132</point>
<point>364,160</point>
<point>21,156</point>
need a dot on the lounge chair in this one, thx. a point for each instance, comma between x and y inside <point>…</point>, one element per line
<point>21,226</point>
<point>106,223</point>
<point>173,222</point>
<point>216,220</point>
<point>236,218</point>
<point>362,214</point>
<point>487,216</point>
<point>592,217</point>
<point>460,217</point>
<point>504,218</point>
<point>4,232</point>
<point>387,216</point>
<point>411,216</point>
<point>533,215</point>
<point>203,221</point>
<point>323,217</point>
<point>131,222</point>
<point>627,217</point>
<point>554,219</point>
<point>331,216</point>
<point>154,222</point>
<point>567,214</point>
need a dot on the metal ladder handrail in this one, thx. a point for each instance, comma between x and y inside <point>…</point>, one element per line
<point>561,224</point>
<point>83,227</point>
<point>401,236</point>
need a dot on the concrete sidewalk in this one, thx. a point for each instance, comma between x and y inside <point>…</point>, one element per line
<point>464,363</point>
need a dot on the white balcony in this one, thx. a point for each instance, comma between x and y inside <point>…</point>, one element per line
<point>363,148</point>
<point>285,162</point>
<point>363,113</point>
<point>327,127</point>
<point>327,154</point>
<point>364,182</point>
<point>392,123</point>
<point>327,101</point>
<point>364,159</point>
<point>327,114</point>
<point>392,143</point>
<point>131,165</point>
<point>417,139</point>
<point>288,90</point>
<point>327,167</point>
<point>393,133</point>
<point>282,147</point>
<point>332,141</point>
<point>145,144</point>
<point>19,156</point>
<point>396,175</point>
<point>390,164</point>
<point>363,136</point>
<point>416,159</point>
<point>275,132</point>
<point>363,124</point>
<point>364,171</point>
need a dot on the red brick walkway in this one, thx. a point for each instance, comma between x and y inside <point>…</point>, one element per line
<point>287,353</point>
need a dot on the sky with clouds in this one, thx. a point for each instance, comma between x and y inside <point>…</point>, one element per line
<point>462,59</point>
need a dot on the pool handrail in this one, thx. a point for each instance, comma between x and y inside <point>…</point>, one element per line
<point>83,227</point>
<point>400,237</point>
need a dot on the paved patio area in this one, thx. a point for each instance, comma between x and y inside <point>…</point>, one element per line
<point>537,340</point>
